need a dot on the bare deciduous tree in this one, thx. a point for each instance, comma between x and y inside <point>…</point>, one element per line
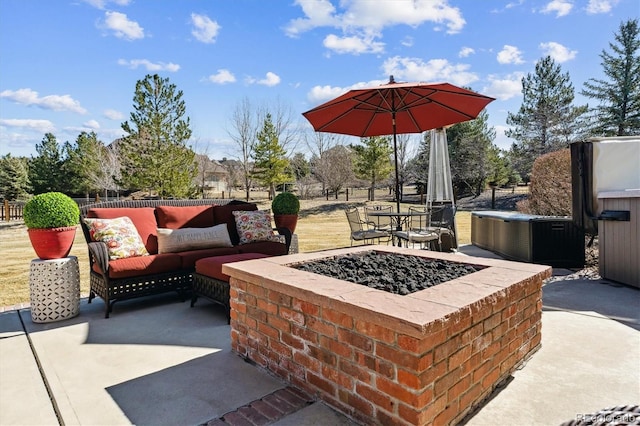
<point>234,174</point>
<point>283,122</point>
<point>318,144</point>
<point>339,167</point>
<point>245,127</point>
<point>107,176</point>
<point>204,164</point>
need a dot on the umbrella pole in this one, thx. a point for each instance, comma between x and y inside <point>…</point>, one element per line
<point>395,156</point>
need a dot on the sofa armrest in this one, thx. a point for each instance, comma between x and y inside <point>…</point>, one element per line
<point>287,236</point>
<point>98,253</point>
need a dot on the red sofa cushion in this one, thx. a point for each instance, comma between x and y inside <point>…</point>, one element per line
<point>143,218</point>
<point>224,214</point>
<point>142,265</point>
<point>189,258</point>
<point>174,217</point>
<point>212,266</point>
<point>272,248</point>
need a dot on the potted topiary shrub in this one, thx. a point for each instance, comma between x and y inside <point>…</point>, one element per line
<point>51,219</point>
<point>285,207</point>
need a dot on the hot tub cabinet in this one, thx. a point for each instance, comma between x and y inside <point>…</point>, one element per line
<point>619,240</point>
<point>548,240</point>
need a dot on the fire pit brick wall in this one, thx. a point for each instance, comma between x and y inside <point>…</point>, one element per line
<point>380,369</point>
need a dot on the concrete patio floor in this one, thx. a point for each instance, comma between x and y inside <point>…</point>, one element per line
<point>157,361</point>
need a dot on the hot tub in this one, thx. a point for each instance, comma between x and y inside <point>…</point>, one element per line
<point>548,240</point>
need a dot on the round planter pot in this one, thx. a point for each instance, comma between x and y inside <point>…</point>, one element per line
<point>286,221</point>
<point>52,243</point>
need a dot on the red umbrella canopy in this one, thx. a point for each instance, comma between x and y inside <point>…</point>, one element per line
<point>417,107</point>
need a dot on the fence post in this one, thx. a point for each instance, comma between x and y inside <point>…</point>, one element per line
<point>6,211</point>
<point>493,197</point>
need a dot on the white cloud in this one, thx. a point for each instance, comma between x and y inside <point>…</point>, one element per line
<point>223,76</point>
<point>319,13</point>
<point>362,21</point>
<point>102,4</point>
<point>514,4</point>
<point>122,26</point>
<point>559,7</point>
<point>319,94</point>
<point>271,79</point>
<point>353,44</point>
<point>558,52</point>
<point>42,126</point>
<point>466,51</point>
<point>407,41</point>
<point>150,66</point>
<point>434,70</point>
<point>600,6</point>
<point>92,124</point>
<point>504,88</point>
<point>510,55</point>
<point>112,114</point>
<point>205,30</point>
<point>53,102</point>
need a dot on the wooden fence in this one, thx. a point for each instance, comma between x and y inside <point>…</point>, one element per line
<point>11,210</point>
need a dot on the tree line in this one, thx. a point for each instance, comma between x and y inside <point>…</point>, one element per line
<point>155,157</point>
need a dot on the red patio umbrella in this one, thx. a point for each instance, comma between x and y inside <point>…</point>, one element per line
<point>395,108</point>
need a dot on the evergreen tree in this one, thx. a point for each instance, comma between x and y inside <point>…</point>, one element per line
<point>154,155</point>
<point>271,163</point>
<point>499,170</point>
<point>418,166</point>
<point>470,147</point>
<point>46,170</point>
<point>618,112</point>
<point>14,177</point>
<point>300,167</point>
<point>83,162</point>
<point>372,160</point>
<point>547,120</point>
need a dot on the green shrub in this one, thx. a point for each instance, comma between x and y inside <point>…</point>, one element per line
<point>550,187</point>
<point>285,203</point>
<point>51,210</point>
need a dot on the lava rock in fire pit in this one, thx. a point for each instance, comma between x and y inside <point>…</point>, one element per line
<point>392,272</point>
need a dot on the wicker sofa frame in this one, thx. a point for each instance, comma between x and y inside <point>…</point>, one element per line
<point>214,290</point>
<point>112,290</point>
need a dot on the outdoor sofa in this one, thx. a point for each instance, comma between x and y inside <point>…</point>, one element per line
<point>175,234</point>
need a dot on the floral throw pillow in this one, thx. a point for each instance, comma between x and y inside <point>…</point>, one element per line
<point>254,226</point>
<point>119,234</point>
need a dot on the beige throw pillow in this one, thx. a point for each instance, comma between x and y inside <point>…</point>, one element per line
<point>177,240</point>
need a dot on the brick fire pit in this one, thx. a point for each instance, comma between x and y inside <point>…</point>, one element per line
<point>423,358</point>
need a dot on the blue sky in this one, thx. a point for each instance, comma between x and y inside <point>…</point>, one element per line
<point>72,65</point>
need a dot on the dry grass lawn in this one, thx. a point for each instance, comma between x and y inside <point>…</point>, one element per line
<point>322,225</point>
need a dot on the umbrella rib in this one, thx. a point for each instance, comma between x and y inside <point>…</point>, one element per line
<point>334,119</point>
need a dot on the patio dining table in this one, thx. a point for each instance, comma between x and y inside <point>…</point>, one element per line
<point>398,220</point>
